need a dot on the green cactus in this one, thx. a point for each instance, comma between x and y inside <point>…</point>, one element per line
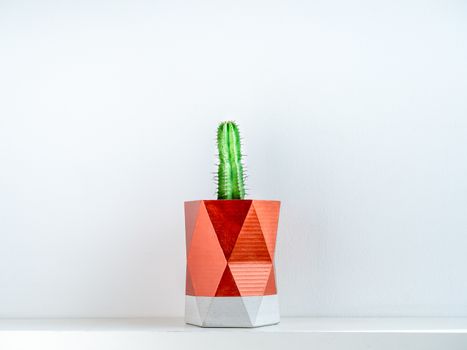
<point>230,178</point>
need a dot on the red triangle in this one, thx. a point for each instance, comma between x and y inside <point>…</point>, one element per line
<point>227,286</point>
<point>227,217</point>
<point>271,285</point>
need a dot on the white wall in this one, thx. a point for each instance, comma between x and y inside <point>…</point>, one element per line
<point>353,113</point>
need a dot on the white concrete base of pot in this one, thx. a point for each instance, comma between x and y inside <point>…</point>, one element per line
<point>253,311</point>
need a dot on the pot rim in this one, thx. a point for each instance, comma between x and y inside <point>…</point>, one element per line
<point>233,200</point>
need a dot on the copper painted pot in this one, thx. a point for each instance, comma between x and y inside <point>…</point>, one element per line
<point>230,277</point>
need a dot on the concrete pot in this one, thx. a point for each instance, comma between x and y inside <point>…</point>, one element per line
<point>230,278</point>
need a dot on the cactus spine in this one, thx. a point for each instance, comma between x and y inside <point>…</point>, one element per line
<point>230,179</point>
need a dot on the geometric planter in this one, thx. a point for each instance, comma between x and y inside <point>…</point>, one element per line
<point>230,276</point>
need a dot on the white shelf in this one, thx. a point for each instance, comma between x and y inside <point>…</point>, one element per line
<point>293,333</point>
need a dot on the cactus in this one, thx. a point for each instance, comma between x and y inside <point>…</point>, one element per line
<point>230,178</point>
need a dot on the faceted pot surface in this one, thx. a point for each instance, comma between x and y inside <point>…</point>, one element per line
<point>230,277</point>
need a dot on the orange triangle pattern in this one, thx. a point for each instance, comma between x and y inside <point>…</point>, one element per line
<point>250,245</point>
<point>189,290</point>
<point>206,261</point>
<point>251,278</point>
<point>271,285</point>
<point>191,214</point>
<point>230,247</point>
<point>268,216</point>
